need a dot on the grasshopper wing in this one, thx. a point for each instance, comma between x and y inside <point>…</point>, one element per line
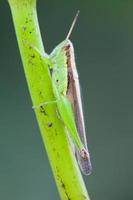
<point>73,94</point>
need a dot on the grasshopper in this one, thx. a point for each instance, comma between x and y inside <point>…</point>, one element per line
<point>66,89</point>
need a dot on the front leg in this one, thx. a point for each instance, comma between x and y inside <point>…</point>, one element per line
<point>45,57</point>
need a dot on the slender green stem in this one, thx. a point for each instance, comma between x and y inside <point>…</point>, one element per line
<point>67,175</point>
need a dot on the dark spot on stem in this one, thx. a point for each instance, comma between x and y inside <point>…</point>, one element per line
<point>33,56</point>
<point>50,124</point>
<point>64,187</point>
<point>42,110</point>
<point>51,71</point>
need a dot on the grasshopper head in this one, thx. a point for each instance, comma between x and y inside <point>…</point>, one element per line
<point>60,49</point>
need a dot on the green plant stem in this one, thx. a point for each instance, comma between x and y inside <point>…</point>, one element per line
<point>66,172</point>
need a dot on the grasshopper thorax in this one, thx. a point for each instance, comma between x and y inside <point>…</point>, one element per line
<point>60,57</point>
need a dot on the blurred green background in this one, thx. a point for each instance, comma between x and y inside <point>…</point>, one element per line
<point>103,41</point>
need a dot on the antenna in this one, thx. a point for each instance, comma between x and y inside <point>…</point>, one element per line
<point>73,24</point>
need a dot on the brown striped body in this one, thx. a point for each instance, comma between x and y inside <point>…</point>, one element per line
<point>73,94</point>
